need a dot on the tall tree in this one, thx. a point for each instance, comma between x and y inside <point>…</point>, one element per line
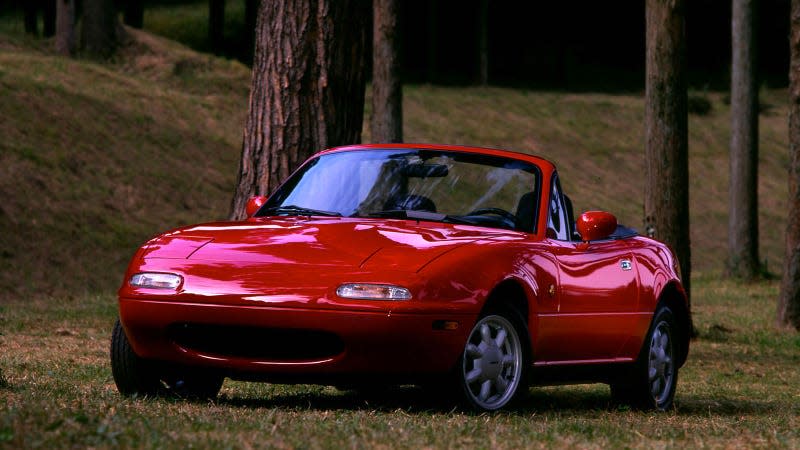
<point>216,24</point>
<point>789,301</point>
<point>386,123</point>
<point>743,187</point>
<point>307,91</point>
<point>133,13</point>
<point>65,27</point>
<point>100,29</point>
<point>666,200</point>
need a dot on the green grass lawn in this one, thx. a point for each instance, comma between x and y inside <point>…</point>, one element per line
<point>739,389</point>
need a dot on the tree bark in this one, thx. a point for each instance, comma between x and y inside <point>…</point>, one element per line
<point>99,37</point>
<point>743,188</point>
<point>307,91</point>
<point>789,300</point>
<point>31,16</point>
<point>483,42</point>
<point>65,27</point>
<point>666,203</point>
<point>133,14</point>
<point>216,24</point>
<point>386,123</point>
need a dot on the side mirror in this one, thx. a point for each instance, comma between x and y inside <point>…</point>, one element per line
<point>254,204</point>
<point>596,225</point>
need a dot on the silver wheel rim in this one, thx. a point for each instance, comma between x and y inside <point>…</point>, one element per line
<point>661,368</point>
<point>492,362</point>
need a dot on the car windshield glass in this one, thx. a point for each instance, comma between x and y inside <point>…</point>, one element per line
<point>455,187</point>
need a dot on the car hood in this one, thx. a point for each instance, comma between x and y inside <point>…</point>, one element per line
<point>302,241</point>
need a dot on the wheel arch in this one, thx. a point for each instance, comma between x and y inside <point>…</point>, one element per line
<point>511,293</point>
<point>674,297</point>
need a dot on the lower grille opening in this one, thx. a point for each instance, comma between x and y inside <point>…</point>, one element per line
<point>274,344</point>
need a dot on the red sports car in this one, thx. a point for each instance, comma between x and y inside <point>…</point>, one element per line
<point>407,264</point>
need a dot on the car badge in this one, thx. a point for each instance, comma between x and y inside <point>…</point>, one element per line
<point>625,264</point>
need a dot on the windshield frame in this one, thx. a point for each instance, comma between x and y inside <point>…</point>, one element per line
<point>474,156</point>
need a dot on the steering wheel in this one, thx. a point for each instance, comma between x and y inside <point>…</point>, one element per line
<point>505,215</point>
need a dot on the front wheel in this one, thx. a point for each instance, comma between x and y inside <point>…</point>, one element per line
<point>132,375</point>
<point>492,368</point>
<point>135,376</point>
<point>654,379</point>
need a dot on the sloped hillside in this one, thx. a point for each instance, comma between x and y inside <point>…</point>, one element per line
<point>96,158</point>
<point>597,142</point>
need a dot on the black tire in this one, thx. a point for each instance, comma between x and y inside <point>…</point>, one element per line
<point>651,383</point>
<point>135,376</point>
<point>192,384</point>
<point>493,375</point>
<point>132,374</point>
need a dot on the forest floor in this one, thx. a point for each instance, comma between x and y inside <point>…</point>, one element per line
<point>96,158</point>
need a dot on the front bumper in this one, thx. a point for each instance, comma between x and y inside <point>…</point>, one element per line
<point>369,342</point>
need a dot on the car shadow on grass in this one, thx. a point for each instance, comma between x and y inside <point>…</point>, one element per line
<point>539,401</point>
<point>412,399</point>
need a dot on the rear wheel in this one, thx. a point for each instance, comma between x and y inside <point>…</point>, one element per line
<point>138,376</point>
<point>653,380</point>
<point>493,367</point>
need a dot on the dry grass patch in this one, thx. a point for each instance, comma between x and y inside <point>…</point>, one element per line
<point>738,390</point>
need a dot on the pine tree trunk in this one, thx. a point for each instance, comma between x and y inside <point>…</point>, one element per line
<point>49,18</point>
<point>743,187</point>
<point>99,37</point>
<point>386,124</point>
<point>31,16</point>
<point>789,301</point>
<point>483,42</point>
<point>216,24</point>
<point>307,92</point>
<point>134,13</point>
<point>666,202</point>
<point>65,27</point>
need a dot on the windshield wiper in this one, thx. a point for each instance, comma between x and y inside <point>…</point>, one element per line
<point>419,215</point>
<point>295,210</point>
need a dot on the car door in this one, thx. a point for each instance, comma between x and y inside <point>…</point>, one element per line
<point>597,294</point>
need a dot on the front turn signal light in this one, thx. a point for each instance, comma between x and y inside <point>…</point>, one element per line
<point>368,291</point>
<point>156,280</point>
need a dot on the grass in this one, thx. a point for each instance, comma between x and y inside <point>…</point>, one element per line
<point>738,390</point>
<point>187,22</point>
<point>88,148</point>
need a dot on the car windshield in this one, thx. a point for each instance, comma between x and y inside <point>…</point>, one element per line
<point>435,185</point>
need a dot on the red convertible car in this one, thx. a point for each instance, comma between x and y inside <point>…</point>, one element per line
<point>407,264</point>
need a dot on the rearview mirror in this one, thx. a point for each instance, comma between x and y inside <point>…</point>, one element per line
<point>254,204</point>
<point>596,225</point>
